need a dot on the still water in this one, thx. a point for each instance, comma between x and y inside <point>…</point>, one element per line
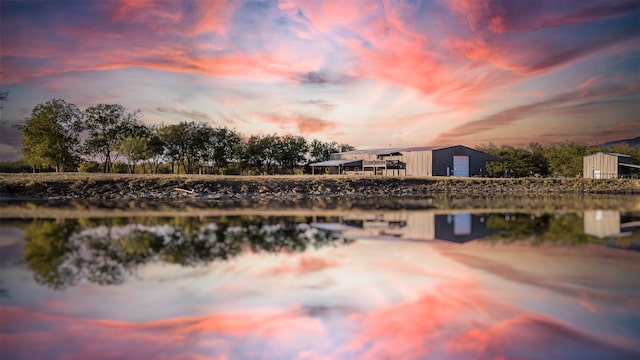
<point>419,284</point>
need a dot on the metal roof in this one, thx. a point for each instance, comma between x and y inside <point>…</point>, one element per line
<point>610,153</point>
<point>336,162</point>
<point>399,150</point>
<point>630,165</point>
<point>383,151</point>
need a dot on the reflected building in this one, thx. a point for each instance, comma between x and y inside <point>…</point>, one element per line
<point>609,223</point>
<point>415,225</point>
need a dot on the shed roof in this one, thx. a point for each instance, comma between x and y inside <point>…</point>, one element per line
<point>630,165</point>
<point>611,154</point>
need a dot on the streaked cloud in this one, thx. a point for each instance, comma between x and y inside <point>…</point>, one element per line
<point>193,115</point>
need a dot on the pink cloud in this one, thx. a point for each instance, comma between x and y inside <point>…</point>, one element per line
<point>518,16</point>
<point>505,339</point>
<point>554,104</point>
<point>412,330</point>
<point>304,124</point>
<point>590,82</point>
<point>169,16</point>
<point>31,334</point>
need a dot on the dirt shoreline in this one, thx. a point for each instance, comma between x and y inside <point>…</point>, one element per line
<point>206,187</point>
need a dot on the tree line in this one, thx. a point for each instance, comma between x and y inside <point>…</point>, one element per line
<point>109,138</point>
<point>558,160</point>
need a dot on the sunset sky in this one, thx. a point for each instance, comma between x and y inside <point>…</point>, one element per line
<point>368,73</point>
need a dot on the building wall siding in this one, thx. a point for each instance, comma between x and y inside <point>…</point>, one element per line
<point>418,162</point>
<point>443,158</point>
<point>606,163</point>
<point>601,223</point>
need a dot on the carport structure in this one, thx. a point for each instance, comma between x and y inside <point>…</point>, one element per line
<point>338,166</point>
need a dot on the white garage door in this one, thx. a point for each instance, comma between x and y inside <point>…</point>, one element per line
<point>461,166</point>
<point>462,224</point>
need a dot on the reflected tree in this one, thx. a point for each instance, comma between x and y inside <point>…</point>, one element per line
<point>516,227</point>
<point>105,251</point>
<point>558,229</point>
<point>48,253</point>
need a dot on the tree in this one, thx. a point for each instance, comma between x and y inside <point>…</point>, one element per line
<point>321,151</point>
<point>135,149</point>
<point>291,150</point>
<point>155,148</point>
<point>566,159</point>
<point>107,126</point>
<point>494,168</point>
<point>186,144</point>
<point>517,162</point>
<point>223,146</point>
<point>171,136</point>
<point>51,135</point>
<point>345,147</point>
<point>260,153</point>
<point>540,164</point>
<point>195,146</point>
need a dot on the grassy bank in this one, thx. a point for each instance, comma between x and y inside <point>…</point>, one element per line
<point>163,187</point>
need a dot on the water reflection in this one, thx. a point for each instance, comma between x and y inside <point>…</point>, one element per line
<point>417,225</point>
<point>104,251</point>
<point>608,227</point>
<point>431,285</point>
<point>61,253</point>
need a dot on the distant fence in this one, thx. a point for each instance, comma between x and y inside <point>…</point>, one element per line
<point>616,176</point>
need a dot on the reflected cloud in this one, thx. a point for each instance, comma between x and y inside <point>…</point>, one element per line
<point>306,264</point>
<point>504,340</point>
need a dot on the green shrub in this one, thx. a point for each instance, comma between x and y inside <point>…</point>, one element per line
<point>119,167</point>
<point>18,166</point>
<point>164,169</point>
<point>231,170</point>
<point>90,167</point>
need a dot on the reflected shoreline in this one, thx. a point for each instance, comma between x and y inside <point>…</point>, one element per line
<point>61,252</point>
<point>68,208</point>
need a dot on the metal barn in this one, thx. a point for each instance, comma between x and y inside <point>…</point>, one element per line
<point>608,166</point>
<point>456,160</point>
